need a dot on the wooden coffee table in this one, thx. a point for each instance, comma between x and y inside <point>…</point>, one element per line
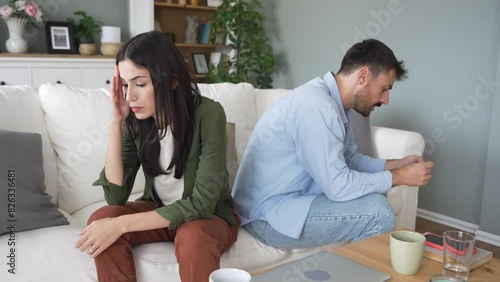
<point>375,252</point>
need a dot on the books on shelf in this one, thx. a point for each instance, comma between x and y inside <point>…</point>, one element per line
<point>481,257</point>
<point>204,33</point>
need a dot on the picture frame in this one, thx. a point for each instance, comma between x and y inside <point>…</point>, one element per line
<point>60,39</point>
<point>200,63</point>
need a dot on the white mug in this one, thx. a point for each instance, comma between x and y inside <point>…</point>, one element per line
<point>407,249</point>
<point>230,275</point>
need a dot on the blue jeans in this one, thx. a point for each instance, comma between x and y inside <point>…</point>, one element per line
<point>328,222</point>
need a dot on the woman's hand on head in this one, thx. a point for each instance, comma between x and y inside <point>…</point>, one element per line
<point>119,105</point>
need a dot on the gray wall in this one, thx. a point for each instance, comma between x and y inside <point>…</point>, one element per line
<point>491,194</point>
<point>450,48</point>
<point>108,12</point>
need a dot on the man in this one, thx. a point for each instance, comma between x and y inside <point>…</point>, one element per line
<point>301,182</point>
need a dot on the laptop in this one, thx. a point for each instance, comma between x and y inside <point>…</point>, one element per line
<point>322,266</point>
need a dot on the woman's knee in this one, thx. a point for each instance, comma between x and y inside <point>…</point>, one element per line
<point>193,238</point>
<point>105,212</point>
<point>193,231</point>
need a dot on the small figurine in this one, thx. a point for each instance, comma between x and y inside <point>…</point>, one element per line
<point>191,29</point>
<point>158,26</point>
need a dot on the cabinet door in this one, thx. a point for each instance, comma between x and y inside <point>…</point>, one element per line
<point>98,77</point>
<point>68,76</point>
<point>14,76</point>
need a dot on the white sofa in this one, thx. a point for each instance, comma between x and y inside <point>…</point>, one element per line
<point>73,126</point>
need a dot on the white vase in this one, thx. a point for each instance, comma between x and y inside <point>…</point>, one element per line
<point>16,42</point>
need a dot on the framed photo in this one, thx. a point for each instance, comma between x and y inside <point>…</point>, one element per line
<point>60,38</point>
<point>200,63</point>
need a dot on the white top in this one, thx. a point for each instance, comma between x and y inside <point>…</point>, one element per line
<point>168,188</point>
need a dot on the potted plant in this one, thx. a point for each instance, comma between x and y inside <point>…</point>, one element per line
<point>85,30</point>
<point>253,59</point>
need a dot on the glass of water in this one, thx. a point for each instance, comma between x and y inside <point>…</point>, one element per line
<point>458,247</point>
<point>445,278</point>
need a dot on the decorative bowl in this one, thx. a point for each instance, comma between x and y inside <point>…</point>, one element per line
<point>87,49</point>
<point>111,48</point>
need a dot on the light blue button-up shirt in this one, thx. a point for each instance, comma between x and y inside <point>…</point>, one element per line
<point>302,147</point>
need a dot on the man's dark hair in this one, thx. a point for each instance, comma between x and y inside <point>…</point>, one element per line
<point>376,56</point>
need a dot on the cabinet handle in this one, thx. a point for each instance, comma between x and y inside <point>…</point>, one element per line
<point>2,83</point>
<point>108,82</point>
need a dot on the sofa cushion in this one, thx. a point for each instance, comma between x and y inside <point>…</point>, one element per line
<point>78,124</point>
<point>264,98</point>
<point>23,197</point>
<point>238,101</point>
<point>247,253</point>
<point>48,255</point>
<point>20,108</point>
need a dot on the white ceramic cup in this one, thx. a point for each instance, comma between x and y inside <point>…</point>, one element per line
<point>230,275</point>
<point>407,249</point>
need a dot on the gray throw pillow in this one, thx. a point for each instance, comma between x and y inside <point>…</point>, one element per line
<point>24,205</point>
<point>361,133</point>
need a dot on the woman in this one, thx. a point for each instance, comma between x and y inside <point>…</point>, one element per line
<point>160,121</point>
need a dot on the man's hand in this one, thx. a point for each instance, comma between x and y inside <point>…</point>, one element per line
<point>393,164</point>
<point>412,174</point>
<point>99,235</point>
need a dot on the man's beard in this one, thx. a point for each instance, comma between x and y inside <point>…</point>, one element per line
<point>360,107</point>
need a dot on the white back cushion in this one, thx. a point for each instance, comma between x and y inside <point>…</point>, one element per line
<point>78,125</point>
<point>238,101</point>
<point>266,97</point>
<point>20,111</point>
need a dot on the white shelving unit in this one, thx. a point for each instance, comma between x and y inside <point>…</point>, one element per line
<point>72,70</point>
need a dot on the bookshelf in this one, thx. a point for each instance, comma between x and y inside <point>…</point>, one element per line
<point>172,18</point>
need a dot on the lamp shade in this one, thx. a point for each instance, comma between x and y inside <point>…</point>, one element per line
<point>110,34</point>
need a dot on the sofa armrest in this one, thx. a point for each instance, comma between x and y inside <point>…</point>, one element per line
<point>390,143</point>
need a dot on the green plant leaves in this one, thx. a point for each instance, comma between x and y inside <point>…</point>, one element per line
<point>242,24</point>
<point>86,28</point>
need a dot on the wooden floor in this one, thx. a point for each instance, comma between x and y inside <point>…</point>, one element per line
<point>424,225</point>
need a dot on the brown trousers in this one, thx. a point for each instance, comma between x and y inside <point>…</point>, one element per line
<point>198,245</point>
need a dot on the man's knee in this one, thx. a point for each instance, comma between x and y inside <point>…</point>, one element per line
<point>390,221</point>
<point>385,213</point>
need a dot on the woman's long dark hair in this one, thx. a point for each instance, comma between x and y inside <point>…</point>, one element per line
<point>174,107</point>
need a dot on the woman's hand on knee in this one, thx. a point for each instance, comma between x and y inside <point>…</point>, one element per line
<point>98,236</point>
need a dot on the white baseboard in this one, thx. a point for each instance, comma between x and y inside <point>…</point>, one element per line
<point>489,238</point>
<point>448,221</point>
<point>482,236</point>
